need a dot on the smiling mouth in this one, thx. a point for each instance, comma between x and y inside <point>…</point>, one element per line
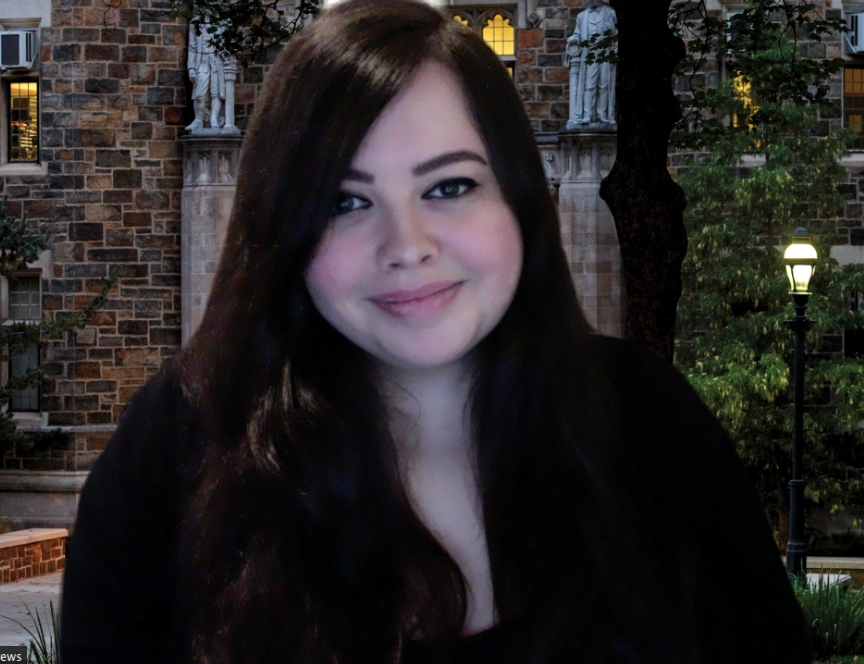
<point>418,303</point>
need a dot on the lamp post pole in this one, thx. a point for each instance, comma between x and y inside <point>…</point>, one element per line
<point>800,260</point>
<point>796,550</point>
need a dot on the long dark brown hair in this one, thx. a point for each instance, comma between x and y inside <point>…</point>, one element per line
<point>300,544</point>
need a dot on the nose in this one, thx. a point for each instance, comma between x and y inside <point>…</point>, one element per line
<point>408,239</point>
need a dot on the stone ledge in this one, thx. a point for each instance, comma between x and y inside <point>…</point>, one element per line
<point>819,562</point>
<point>63,481</point>
<point>81,428</point>
<point>21,537</point>
<point>853,567</point>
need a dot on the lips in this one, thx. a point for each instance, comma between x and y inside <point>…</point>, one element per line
<point>419,302</point>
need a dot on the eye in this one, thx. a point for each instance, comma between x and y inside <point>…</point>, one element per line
<point>346,203</point>
<point>453,188</point>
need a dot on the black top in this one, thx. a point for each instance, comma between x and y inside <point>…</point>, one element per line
<point>486,647</point>
<point>122,598</point>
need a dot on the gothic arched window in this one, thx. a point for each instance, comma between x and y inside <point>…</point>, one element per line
<point>497,27</point>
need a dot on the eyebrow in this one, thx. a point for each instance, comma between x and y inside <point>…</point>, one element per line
<point>445,160</point>
<point>422,169</point>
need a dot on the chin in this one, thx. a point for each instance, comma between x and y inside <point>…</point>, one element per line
<point>415,361</point>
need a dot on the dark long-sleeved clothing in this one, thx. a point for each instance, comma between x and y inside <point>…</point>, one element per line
<point>120,593</point>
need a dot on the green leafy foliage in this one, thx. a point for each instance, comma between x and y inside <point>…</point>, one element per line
<point>246,28</point>
<point>743,205</point>
<point>20,244</point>
<point>834,615</point>
<point>766,52</point>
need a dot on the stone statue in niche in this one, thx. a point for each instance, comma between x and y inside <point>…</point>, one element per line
<point>592,86</point>
<point>212,75</point>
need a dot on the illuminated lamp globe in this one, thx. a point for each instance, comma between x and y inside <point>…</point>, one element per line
<point>800,261</point>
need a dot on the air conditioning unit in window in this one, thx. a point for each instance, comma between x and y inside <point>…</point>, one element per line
<point>17,49</point>
<point>855,36</point>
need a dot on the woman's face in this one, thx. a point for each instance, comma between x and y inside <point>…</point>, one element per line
<point>423,255</point>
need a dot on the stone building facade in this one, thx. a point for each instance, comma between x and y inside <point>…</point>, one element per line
<point>112,97</point>
<point>111,101</point>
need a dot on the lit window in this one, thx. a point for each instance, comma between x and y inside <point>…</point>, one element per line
<point>25,305</point>
<point>495,25</point>
<point>500,35</point>
<point>853,103</point>
<point>743,91</point>
<point>23,121</point>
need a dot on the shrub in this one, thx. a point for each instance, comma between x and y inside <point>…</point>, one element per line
<point>835,617</point>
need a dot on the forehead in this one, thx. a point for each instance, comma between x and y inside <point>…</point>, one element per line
<point>429,116</point>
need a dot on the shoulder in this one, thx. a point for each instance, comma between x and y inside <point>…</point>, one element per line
<point>671,444</point>
<point>158,414</point>
<point>637,376</point>
<point>119,582</point>
<point>151,450</point>
<point>661,422</point>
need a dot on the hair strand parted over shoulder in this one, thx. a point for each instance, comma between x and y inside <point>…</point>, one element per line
<point>301,543</point>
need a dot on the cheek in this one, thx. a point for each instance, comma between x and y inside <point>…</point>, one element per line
<point>328,276</point>
<point>502,257</point>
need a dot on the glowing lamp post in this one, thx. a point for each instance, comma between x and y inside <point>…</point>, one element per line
<point>800,260</point>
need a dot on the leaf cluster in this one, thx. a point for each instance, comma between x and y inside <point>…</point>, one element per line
<point>602,47</point>
<point>19,245</point>
<point>732,341</point>
<point>246,29</point>
<point>834,615</point>
<point>766,51</point>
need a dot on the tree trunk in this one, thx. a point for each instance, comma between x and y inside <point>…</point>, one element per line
<point>646,204</point>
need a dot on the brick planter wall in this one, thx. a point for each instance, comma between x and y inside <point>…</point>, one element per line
<point>34,552</point>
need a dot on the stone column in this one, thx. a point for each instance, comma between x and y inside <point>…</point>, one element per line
<point>588,229</point>
<point>209,167</point>
<point>576,102</point>
<point>230,79</point>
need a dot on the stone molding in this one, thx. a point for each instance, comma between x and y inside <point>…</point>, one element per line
<point>52,481</point>
<point>588,156</point>
<point>210,159</point>
<point>36,500</point>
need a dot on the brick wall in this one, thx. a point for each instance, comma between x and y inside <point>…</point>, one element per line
<point>541,77</point>
<point>45,555</point>
<point>115,99</point>
<point>114,102</point>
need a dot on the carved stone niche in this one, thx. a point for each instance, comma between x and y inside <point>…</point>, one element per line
<point>209,177</point>
<point>589,155</point>
<point>210,160</point>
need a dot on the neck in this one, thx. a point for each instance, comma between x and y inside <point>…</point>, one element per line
<point>429,410</point>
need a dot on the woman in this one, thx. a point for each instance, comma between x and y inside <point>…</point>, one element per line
<point>393,438</point>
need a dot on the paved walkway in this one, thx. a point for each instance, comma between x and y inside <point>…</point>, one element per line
<point>36,594</point>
